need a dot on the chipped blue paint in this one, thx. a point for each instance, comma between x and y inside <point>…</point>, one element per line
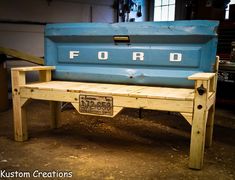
<point>196,41</point>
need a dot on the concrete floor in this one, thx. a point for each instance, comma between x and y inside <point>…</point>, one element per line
<point>126,147</point>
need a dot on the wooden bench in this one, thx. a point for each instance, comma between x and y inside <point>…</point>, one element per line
<point>196,105</point>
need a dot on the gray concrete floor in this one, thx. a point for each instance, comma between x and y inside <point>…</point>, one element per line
<point>126,147</point>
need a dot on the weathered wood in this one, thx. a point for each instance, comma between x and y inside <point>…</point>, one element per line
<point>44,75</point>
<point>24,101</point>
<point>198,127</point>
<point>120,101</point>
<point>19,110</point>
<point>211,101</point>
<point>55,114</point>
<point>154,104</point>
<point>201,76</point>
<point>193,106</point>
<point>22,55</point>
<point>33,68</point>
<point>55,106</point>
<point>211,104</point>
<point>116,90</point>
<point>209,126</point>
<point>188,117</point>
<point>19,102</point>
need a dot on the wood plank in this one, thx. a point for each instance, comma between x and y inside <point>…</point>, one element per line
<point>45,75</point>
<point>198,128</point>
<point>164,93</point>
<point>33,68</point>
<point>201,76</point>
<point>209,126</point>
<point>100,88</point>
<point>22,55</point>
<point>120,90</point>
<point>120,101</point>
<point>127,90</point>
<point>188,117</point>
<point>59,86</point>
<point>211,113</point>
<point>19,110</point>
<point>55,114</point>
<point>154,104</point>
<point>211,101</point>
<point>24,101</point>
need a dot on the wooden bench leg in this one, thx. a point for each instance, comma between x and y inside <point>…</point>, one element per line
<point>198,131</point>
<point>209,126</point>
<point>20,121</point>
<point>55,111</point>
<point>19,103</point>
<point>19,108</point>
<point>197,141</point>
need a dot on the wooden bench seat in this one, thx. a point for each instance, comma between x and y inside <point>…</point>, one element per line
<point>114,89</point>
<point>196,105</point>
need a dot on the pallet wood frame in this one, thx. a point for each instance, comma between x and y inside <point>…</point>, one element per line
<point>197,107</point>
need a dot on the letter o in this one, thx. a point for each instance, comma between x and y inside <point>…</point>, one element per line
<point>103,55</point>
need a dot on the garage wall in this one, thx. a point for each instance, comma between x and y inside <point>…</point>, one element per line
<point>29,38</point>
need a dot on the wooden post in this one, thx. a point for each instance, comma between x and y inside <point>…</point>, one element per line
<point>55,108</point>
<point>19,103</point>
<point>19,110</point>
<point>45,75</point>
<point>211,113</point>
<point>199,125</point>
<point>209,126</point>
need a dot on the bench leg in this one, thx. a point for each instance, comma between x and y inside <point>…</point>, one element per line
<point>55,111</point>
<point>20,121</point>
<point>197,141</point>
<point>198,132</point>
<point>209,126</point>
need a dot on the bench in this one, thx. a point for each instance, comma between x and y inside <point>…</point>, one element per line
<point>196,105</point>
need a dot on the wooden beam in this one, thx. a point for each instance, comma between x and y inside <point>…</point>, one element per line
<point>211,101</point>
<point>19,110</point>
<point>55,114</point>
<point>44,75</point>
<point>24,101</point>
<point>201,76</point>
<point>198,127</point>
<point>34,68</point>
<point>188,117</point>
<point>22,55</point>
<point>120,101</point>
<point>211,104</point>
